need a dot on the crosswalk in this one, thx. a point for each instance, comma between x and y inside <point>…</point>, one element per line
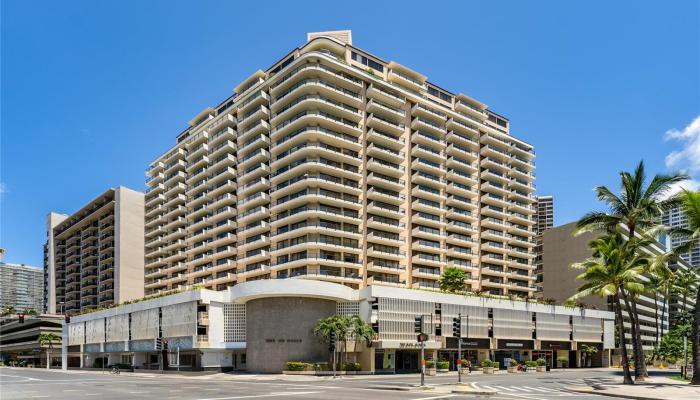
<point>525,391</point>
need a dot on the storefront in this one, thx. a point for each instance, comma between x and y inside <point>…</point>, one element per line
<point>512,351</point>
<point>473,351</point>
<point>557,352</point>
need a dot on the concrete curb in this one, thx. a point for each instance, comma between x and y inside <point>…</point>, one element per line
<point>617,395</point>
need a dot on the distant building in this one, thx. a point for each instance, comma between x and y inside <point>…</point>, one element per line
<point>561,249</point>
<point>676,218</point>
<point>544,219</point>
<point>94,257</point>
<point>19,342</point>
<point>21,287</point>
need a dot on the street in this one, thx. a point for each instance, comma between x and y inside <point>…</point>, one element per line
<point>16,383</point>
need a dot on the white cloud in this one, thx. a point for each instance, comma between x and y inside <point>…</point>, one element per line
<point>3,188</point>
<point>688,158</point>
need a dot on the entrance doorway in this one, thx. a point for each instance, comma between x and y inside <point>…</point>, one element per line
<point>407,361</point>
<point>547,356</point>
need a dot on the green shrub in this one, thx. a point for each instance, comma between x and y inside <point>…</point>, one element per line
<point>466,363</point>
<point>430,364</point>
<point>443,364</point>
<point>531,364</point>
<point>490,364</point>
<point>298,366</point>
<point>541,362</point>
<point>351,366</point>
<point>322,366</point>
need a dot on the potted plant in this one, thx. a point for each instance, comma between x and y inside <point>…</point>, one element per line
<point>489,367</point>
<point>530,365</point>
<point>466,367</point>
<point>513,367</point>
<point>541,365</point>
<point>563,362</point>
<point>443,366</point>
<point>430,368</point>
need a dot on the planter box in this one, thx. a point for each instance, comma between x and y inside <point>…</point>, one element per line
<point>326,373</point>
<point>431,371</point>
<point>443,370</point>
<point>541,368</point>
<point>464,371</point>
<point>512,370</point>
<point>489,370</point>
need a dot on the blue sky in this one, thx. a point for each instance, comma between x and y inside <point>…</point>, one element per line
<point>93,91</point>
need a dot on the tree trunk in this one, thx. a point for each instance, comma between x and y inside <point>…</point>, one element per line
<point>656,318</point>
<point>695,339</point>
<point>638,372</point>
<point>627,377</point>
<point>663,314</point>
<point>638,337</point>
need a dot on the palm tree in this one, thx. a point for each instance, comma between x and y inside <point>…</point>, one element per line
<point>48,339</point>
<point>332,328</point>
<point>691,206</point>
<point>9,310</point>
<point>611,270</point>
<point>361,331</point>
<point>638,207</point>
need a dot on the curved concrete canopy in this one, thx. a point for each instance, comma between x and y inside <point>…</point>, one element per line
<point>291,287</point>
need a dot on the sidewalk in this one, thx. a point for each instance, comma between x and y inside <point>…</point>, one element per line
<point>656,388</point>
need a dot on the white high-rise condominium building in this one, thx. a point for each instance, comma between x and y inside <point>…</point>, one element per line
<point>336,165</point>
<point>21,287</point>
<point>676,218</point>
<point>94,257</point>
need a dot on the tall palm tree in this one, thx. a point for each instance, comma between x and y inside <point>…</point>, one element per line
<point>638,207</point>
<point>691,206</point>
<point>48,339</point>
<point>612,268</point>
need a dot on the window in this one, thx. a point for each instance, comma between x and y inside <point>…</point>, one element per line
<point>439,94</point>
<point>368,62</point>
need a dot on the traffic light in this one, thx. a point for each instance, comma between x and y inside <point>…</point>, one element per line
<point>418,325</point>
<point>21,318</point>
<point>159,344</point>
<point>457,327</point>
<point>165,344</point>
<point>67,318</point>
<point>331,344</point>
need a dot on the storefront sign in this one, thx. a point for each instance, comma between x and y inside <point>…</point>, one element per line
<point>516,344</point>
<point>480,343</point>
<point>554,345</point>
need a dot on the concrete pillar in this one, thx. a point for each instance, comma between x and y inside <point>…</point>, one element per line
<point>64,347</point>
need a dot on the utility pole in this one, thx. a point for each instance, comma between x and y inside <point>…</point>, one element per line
<point>457,332</point>
<point>422,338</point>
<point>332,348</point>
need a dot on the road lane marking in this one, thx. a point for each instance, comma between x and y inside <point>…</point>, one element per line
<point>254,396</point>
<point>436,397</point>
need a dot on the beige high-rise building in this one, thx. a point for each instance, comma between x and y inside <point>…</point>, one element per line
<point>94,257</point>
<point>336,165</point>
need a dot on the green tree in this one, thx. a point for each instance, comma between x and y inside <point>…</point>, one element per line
<point>9,310</point>
<point>638,207</point>
<point>690,202</point>
<point>453,280</point>
<point>613,267</point>
<point>587,352</point>
<point>361,331</point>
<point>48,339</point>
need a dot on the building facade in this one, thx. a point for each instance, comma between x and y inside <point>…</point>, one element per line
<point>21,287</point>
<point>544,219</point>
<point>676,218</point>
<point>19,342</point>
<point>562,249</point>
<point>94,257</point>
<point>260,326</point>
<point>336,165</point>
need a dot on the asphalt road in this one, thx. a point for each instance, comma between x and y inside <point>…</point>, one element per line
<point>16,384</point>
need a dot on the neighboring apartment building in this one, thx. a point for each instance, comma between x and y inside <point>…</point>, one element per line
<point>562,249</point>
<point>260,326</point>
<point>544,219</point>
<point>676,218</point>
<point>94,257</point>
<point>336,165</point>
<point>21,287</point>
